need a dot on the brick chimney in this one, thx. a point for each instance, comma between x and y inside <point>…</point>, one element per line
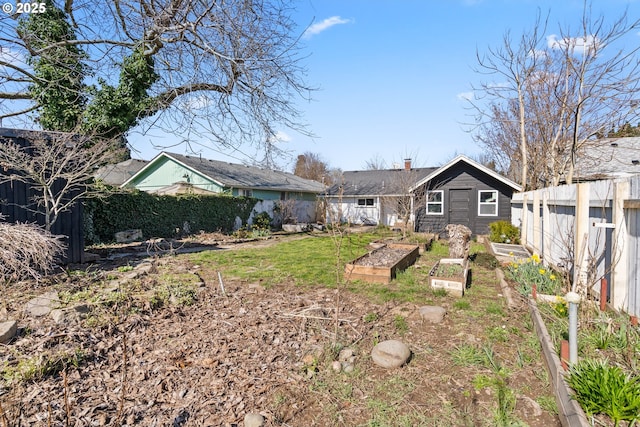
<point>407,164</point>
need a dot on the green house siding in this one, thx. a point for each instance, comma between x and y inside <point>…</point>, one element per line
<point>278,195</point>
<point>303,196</point>
<point>168,172</point>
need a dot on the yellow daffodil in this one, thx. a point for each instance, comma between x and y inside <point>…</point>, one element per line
<point>542,271</point>
<point>552,277</point>
<point>536,258</point>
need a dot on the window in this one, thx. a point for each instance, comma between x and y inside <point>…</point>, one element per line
<point>488,203</point>
<point>435,206</point>
<point>365,202</point>
<point>245,192</point>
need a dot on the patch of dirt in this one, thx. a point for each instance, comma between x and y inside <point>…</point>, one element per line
<point>248,350</point>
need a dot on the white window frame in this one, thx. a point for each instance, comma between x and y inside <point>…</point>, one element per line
<point>441,202</point>
<point>246,192</point>
<point>494,203</point>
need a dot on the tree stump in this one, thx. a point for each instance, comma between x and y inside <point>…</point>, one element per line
<point>459,240</point>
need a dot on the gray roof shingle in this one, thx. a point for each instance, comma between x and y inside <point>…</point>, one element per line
<point>608,158</point>
<point>234,175</point>
<point>120,172</point>
<point>384,182</point>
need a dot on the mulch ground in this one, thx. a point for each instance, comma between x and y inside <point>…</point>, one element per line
<point>247,350</point>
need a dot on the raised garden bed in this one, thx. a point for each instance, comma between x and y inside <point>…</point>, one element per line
<point>382,264</point>
<point>422,240</point>
<point>450,274</point>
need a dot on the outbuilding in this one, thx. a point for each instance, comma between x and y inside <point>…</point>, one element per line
<point>462,191</point>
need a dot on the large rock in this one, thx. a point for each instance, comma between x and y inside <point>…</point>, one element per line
<point>253,420</point>
<point>127,236</point>
<point>42,305</point>
<point>432,314</point>
<point>390,354</point>
<point>7,331</point>
<point>459,240</point>
<point>70,314</point>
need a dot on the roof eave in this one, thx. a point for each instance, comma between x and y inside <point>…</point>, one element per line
<point>473,163</point>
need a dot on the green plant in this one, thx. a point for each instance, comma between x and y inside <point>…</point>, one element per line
<point>466,355</point>
<point>462,304</point>
<point>504,232</point>
<point>495,308</point>
<point>523,358</point>
<point>371,317</point>
<point>448,270</point>
<point>529,272</point>
<point>440,292</point>
<point>400,323</point>
<point>161,216</point>
<point>262,221</point>
<point>38,367</point>
<point>484,259</point>
<point>548,403</point>
<point>174,293</point>
<point>601,388</point>
<point>260,232</point>
<point>498,334</point>
<point>481,381</point>
<point>561,307</point>
<point>506,404</point>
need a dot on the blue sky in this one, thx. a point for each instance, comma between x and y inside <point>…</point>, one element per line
<point>392,74</point>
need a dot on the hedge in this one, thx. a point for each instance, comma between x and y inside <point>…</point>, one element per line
<point>161,216</point>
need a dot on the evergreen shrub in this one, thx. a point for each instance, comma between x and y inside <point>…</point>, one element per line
<point>162,216</point>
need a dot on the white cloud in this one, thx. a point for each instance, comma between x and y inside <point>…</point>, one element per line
<point>466,96</point>
<point>319,27</point>
<point>198,102</point>
<point>280,136</point>
<point>577,45</point>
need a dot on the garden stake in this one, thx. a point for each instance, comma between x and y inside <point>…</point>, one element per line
<point>573,299</point>
<point>603,294</point>
<point>534,291</point>
<point>564,354</point>
<point>224,294</point>
<point>634,321</point>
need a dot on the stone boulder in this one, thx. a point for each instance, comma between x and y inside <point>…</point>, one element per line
<point>459,240</point>
<point>42,305</point>
<point>390,354</point>
<point>127,236</point>
<point>253,420</point>
<point>7,331</point>
<point>432,314</point>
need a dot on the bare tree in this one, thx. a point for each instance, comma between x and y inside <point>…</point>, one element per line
<point>58,167</point>
<point>400,199</point>
<point>513,64</point>
<point>600,79</point>
<point>375,163</point>
<point>561,93</point>
<point>228,70</point>
<point>312,166</point>
<point>399,195</point>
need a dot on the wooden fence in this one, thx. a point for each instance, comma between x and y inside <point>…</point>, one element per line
<point>591,230</point>
<point>17,205</point>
